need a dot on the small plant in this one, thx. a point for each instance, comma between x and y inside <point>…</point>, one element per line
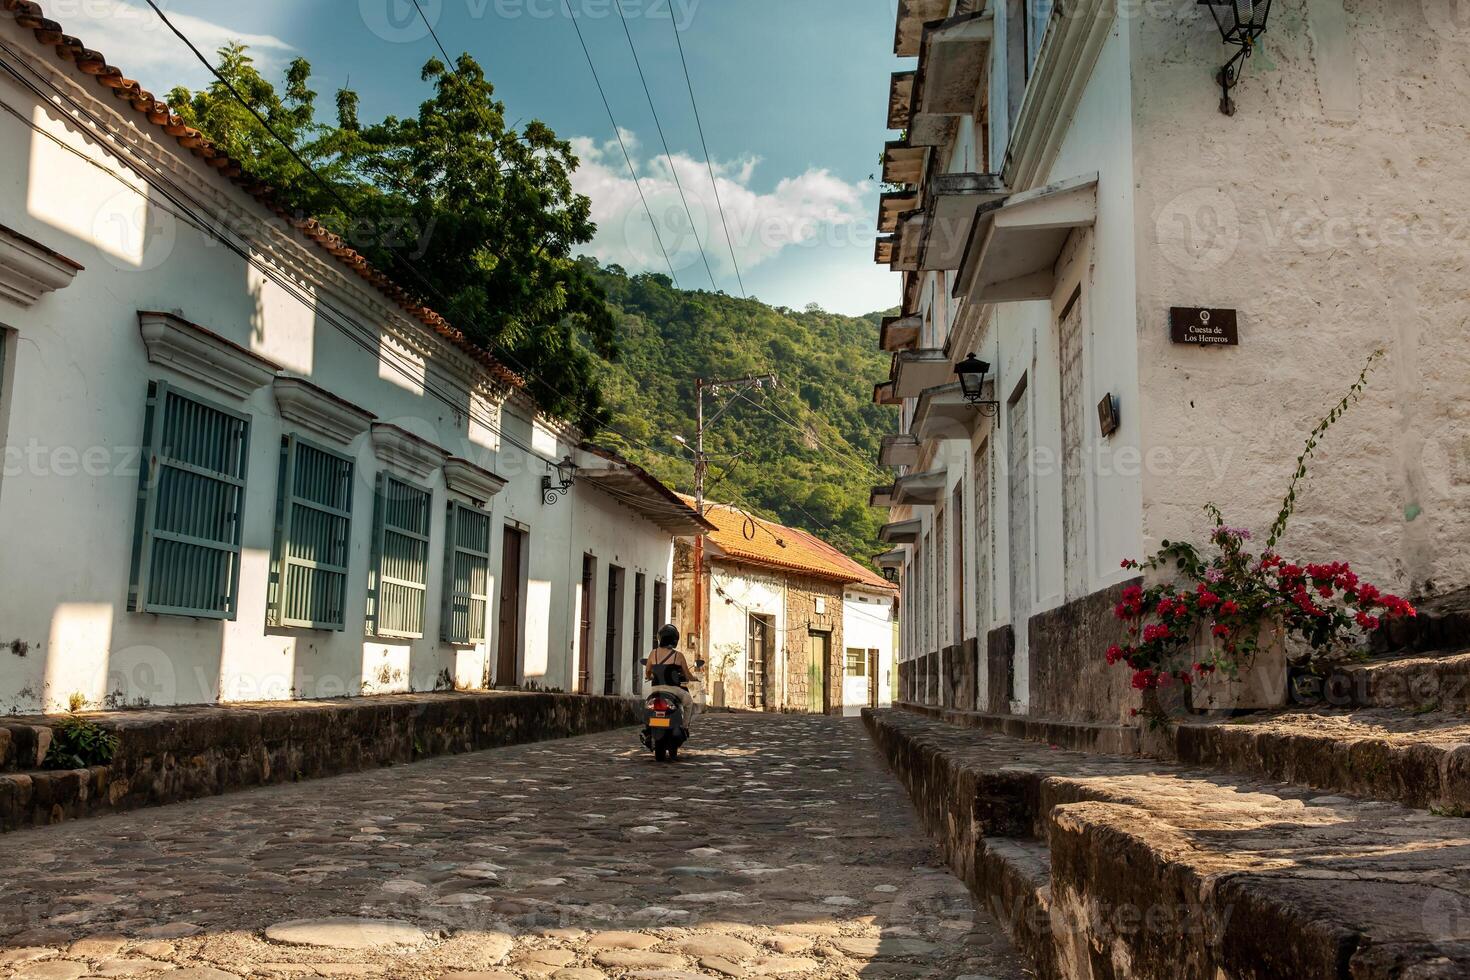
<point>77,743</point>
<point>1233,595</point>
<point>76,702</point>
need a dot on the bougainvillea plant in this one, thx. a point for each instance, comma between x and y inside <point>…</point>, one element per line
<point>1232,595</point>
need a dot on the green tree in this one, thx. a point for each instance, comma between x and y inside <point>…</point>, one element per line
<point>476,218</point>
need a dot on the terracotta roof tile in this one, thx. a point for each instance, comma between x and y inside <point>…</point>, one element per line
<point>778,546</point>
<point>49,33</point>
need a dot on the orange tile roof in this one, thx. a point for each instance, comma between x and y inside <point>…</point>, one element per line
<point>763,542</point>
<point>88,62</point>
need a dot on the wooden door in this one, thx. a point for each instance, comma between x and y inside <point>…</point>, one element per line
<point>1074,420</point>
<point>872,678</point>
<point>640,638</point>
<point>1018,479</point>
<point>613,646</point>
<point>819,648</point>
<point>757,648</point>
<point>584,635</point>
<point>508,623</point>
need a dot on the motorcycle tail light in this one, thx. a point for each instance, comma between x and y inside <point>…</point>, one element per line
<point>659,704</point>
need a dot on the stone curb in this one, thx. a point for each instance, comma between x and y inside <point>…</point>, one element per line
<point>171,755</point>
<point>1075,854</point>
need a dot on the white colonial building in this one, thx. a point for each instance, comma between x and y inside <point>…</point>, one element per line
<point>241,464</point>
<point>1168,298</point>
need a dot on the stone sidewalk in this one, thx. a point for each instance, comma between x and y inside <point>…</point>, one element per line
<point>779,847</point>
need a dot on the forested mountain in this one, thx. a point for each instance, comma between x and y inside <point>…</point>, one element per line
<point>804,454</point>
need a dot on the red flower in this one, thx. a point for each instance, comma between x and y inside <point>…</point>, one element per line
<point>1229,607</point>
<point>1156,631</point>
<point>1144,679</point>
<point>1115,653</point>
<point>1206,597</point>
<point>1220,629</point>
<point>1366,621</point>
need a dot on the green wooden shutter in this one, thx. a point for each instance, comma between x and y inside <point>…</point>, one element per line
<point>400,558</point>
<point>313,521</point>
<point>191,498</point>
<point>466,575</point>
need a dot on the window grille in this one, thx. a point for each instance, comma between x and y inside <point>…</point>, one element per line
<point>400,558</point>
<point>313,521</point>
<point>466,575</point>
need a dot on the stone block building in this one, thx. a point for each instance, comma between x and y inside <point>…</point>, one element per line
<point>785,621</point>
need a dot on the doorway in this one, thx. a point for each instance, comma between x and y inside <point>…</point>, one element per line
<point>758,655</point>
<point>584,633</point>
<point>640,646</point>
<point>819,652</point>
<point>1018,476</point>
<point>612,655</point>
<point>508,620</point>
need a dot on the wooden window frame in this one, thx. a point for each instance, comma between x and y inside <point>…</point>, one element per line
<point>281,560</point>
<point>381,531</point>
<point>141,586</point>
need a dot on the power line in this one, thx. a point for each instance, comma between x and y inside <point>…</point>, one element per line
<point>346,209</point>
<point>707,162</point>
<point>619,134</point>
<point>667,155</point>
<point>787,420</point>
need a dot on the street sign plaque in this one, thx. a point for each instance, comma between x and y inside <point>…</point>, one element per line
<point>1204,327</point>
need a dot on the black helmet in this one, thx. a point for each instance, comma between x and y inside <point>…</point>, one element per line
<point>668,636</point>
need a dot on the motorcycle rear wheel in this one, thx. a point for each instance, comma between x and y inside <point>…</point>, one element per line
<point>659,753</point>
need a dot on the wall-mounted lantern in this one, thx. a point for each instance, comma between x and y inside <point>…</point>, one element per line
<point>1241,22</point>
<point>566,475</point>
<point>971,372</point>
<point>890,573</point>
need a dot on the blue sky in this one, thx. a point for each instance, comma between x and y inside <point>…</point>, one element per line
<point>792,95</point>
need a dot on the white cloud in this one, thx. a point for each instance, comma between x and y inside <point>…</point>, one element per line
<point>134,39</point>
<point>815,209</point>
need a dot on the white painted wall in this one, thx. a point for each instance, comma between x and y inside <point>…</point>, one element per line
<point>77,374</point>
<point>867,624</point>
<point>747,591</point>
<point>1337,192</point>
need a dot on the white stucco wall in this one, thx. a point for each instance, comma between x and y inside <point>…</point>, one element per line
<point>1336,196</point>
<point>867,624</point>
<point>747,592</point>
<point>73,409</point>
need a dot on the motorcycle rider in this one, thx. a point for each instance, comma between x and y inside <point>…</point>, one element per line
<point>668,654</point>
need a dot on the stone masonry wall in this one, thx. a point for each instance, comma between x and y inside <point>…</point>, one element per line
<point>167,756</point>
<point>801,619</point>
<point>1070,676</point>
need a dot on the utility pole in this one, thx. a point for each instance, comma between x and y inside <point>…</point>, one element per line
<point>701,466</point>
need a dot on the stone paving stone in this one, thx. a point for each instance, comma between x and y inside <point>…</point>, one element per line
<point>521,863</point>
<point>346,932</point>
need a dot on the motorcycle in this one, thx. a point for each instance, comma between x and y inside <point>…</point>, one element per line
<point>667,709</point>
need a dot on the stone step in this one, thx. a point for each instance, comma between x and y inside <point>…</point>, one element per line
<point>1087,736</point>
<point>1418,760</point>
<point>1171,872</point>
<point>1435,681</point>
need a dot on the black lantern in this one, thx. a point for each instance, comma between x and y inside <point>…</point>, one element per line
<point>890,573</point>
<point>566,474</point>
<point>971,372</point>
<point>1241,22</point>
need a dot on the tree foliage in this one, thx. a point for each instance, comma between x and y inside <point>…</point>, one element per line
<point>476,217</point>
<point>804,454</point>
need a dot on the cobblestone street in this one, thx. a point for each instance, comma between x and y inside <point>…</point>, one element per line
<point>777,846</point>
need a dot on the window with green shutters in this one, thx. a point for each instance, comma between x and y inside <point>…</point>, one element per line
<point>191,498</point>
<point>466,575</point>
<point>313,521</point>
<point>400,559</point>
